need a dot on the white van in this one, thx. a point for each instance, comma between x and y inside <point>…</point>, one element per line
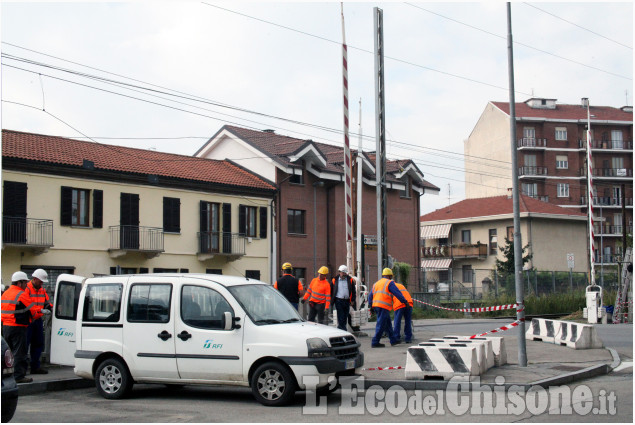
<point>194,329</point>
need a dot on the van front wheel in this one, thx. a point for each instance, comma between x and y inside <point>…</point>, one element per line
<point>273,384</point>
<point>112,379</point>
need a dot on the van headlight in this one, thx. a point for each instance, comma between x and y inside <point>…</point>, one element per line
<point>317,347</point>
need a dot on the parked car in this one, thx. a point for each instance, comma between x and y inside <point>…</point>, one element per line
<point>9,387</point>
<point>195,329</point>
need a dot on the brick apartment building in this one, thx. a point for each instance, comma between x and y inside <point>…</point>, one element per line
<point>310,198</point>
<point>551,150</point>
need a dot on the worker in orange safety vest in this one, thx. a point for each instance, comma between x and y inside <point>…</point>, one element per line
<point>381,301</point>
<point>17,312</point>
<point>319,296</point>
<point>403,310</point>
<point>35,331</point>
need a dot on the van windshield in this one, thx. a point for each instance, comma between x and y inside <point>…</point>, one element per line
<point>264,305</point>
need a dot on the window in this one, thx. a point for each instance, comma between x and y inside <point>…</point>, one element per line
<point>529,136</point>
<point>561,133</point>
<point>562,162</point>
<point>252,274</point>
<point>299,273</point>
<point>102,303</point>
<point>162,270</point>
<point>617,195</point>
<point>213,271</point>
<point>466,236</point>
<point>210,227</point>
<point>295,221</point>
<point>75,207</point>
<point>510,233</point>
<point>530,189</point>
<point>149,303</point>
<point>444,275</point>
<point>67,300</point>
<point>122,270</point>
<point>247,219</point>
<point>617,163</point>
<point>203,307</point>
<point>297,178</point>
<point>467,274</point>
<point>493,242</point>
<point>616,139</point>
<point>171,215</point>
<point>530,160</point>
<point>443,242</point>
<point>405,193</point>
<point>563,190</point>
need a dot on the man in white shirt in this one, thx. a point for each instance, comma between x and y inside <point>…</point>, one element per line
<point>343,296</point>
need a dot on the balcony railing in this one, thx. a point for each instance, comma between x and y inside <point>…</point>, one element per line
<point>606,201</point>
<point>34,232</point>
<point>222,243</point>
<point>532,171</point>
<point>611,229</point>
<point>539,197</point>
<point>456,251</point>
<point>531,142</point>
<point>612,172</point>
<point>136,238</point>
<point>608,144</point>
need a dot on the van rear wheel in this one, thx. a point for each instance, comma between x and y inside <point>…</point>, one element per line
<point>273,384</point>
<point>112,379</point>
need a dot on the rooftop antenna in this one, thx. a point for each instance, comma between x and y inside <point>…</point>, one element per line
<point>449,194</point>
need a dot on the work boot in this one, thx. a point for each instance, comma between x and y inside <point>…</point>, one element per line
<point>23,380</point>
<point>392,344</point>
<point>379,345</point>
<point>39,371</point>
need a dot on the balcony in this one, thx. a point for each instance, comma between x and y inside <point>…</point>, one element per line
<point>624,173</point>
<point>606,201</point>
<point>229,245</point>
<point>456,251</point>
<point>538,197</point>
<point>608,144</point>
<point>127,239</point>
<point>34,234</point>
<point>532,171</point>
<point>531,142</point>
<point>611,230</point>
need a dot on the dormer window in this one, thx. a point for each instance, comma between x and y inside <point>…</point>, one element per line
<point>405,193</point>
<point>297,178</point>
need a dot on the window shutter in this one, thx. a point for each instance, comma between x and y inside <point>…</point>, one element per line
<point>66,206</point>
<point>227,228</point>
<point>98,209</point>
<point>263,222</point>
<point>171,214</point>
<point>242,220</point>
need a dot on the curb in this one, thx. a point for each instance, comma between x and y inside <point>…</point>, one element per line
<point>59,385</point>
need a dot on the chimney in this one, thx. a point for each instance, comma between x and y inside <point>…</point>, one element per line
<point>585,102</point>
<point>509,192</point>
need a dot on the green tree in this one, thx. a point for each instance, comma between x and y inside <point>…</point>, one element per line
<point>401,272</point>
<point>505,267</point>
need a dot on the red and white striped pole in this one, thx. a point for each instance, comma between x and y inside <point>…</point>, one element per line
<point>347,156</point>
<point>590,194</point>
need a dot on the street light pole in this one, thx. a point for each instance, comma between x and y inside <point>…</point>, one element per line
<point>316,184</point>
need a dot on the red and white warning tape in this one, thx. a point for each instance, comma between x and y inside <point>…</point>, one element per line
<point>501,329</point>
<point>384,368</point>
<point>473,310</point>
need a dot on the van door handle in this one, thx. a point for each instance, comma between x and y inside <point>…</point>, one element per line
<point>185,335</point>
<point>165,335</point>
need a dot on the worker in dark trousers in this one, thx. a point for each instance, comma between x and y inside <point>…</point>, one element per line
<point>403,310</point>
<point>35,331</point>
<point>319,296</point>
<point>288,285</point>
<point>381,300</point>
<point>343,296</point>
<point>17,313</point>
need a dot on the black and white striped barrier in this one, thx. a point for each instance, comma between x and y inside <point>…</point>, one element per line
<point>446,361</point>
<point>498,346</point>
<point>484,353</point>
<point>543,330</point>
<point>578,336</point>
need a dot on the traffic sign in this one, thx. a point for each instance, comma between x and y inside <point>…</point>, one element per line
<point>570,261</point>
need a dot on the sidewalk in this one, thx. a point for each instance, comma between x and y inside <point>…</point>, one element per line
<point>548,364</point>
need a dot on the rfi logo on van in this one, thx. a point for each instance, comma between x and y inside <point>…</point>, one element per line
<point>208,344</point>
<point>64,332</point>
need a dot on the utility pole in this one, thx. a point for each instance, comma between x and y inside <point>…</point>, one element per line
<point>518,244</point>
<point>380,131</point>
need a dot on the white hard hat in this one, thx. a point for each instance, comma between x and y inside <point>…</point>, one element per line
<point>18,276</point>
<point>41,274</point>
<point>343,268</point>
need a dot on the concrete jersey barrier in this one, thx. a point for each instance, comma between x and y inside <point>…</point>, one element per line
<point>578,336</point>
<point>543,330</point>
<point>484,352</point>
<point>498,346</point>
<point>445,361</point>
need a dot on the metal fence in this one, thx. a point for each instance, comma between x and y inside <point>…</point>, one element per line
<point>456,284</point>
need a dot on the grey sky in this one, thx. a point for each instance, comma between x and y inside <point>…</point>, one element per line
<point>444,62</point>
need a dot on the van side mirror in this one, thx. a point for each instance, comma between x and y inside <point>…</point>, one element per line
<point>229,322</point>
